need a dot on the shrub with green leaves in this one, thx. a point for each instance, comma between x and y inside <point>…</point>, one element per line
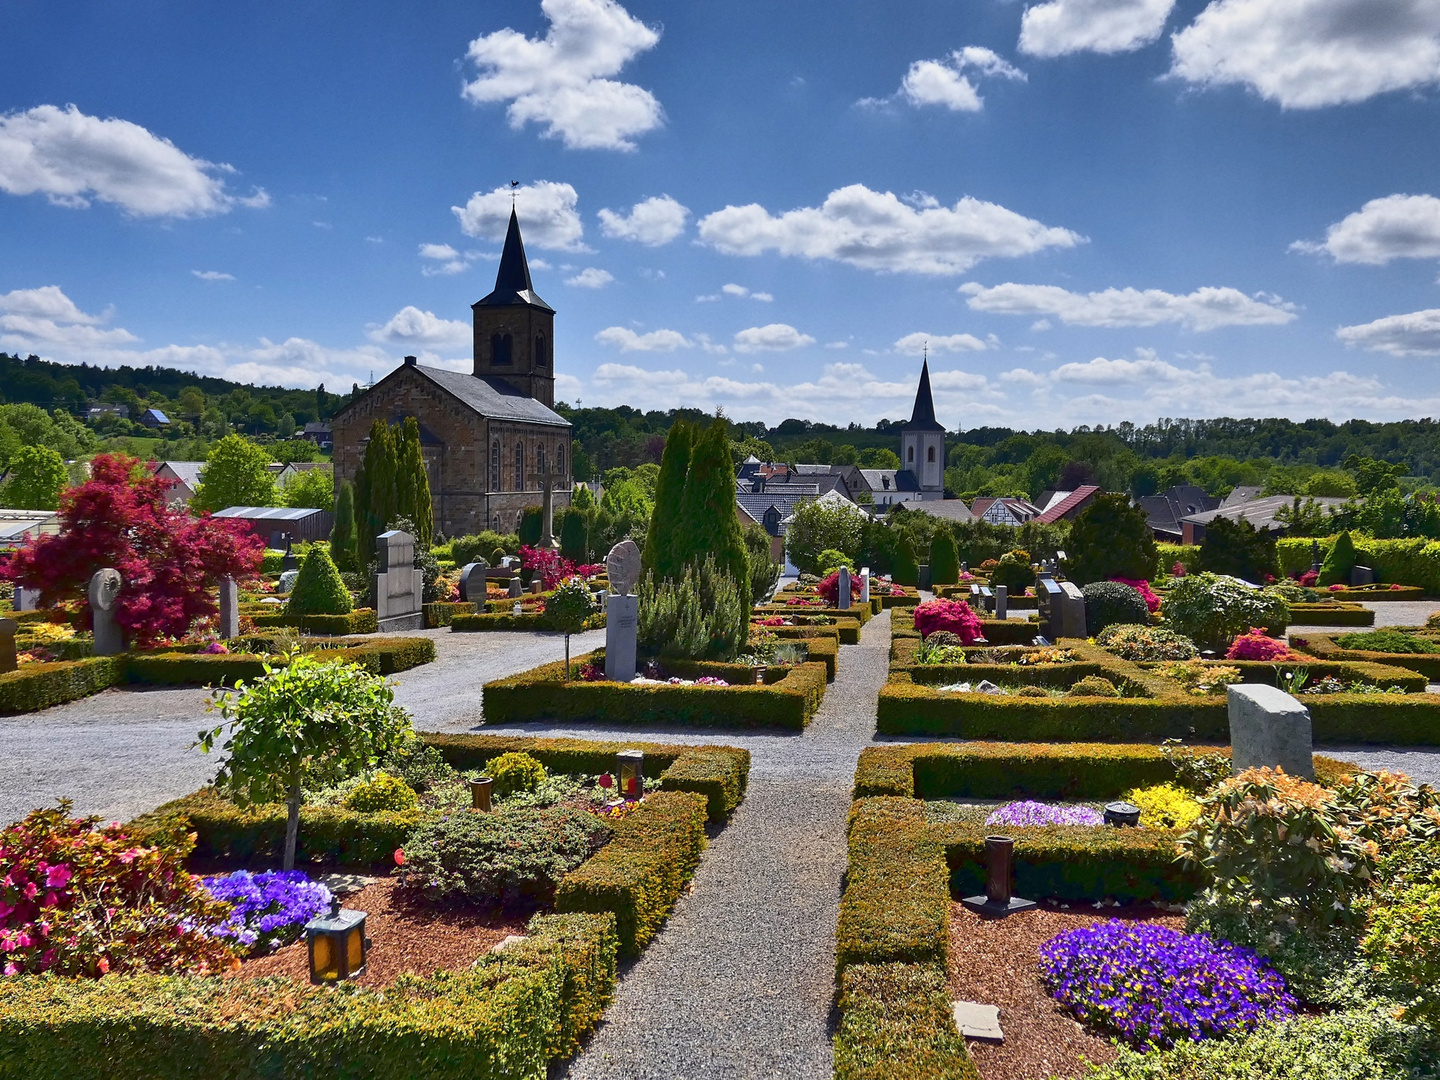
<point>1164,806</point>
<point>514,771</point>
<point>831,560</point>
<point>1402,940</point>
<point>1108,539</point>
<point>1339,561</point>
<point>419,764</point>
<point>1142,644</point>
<point>1212,609</point>
<point>1239,549</point>
<point>702,616</point>
<point>1093,686</point>
<point>1014,572</point>
<point>381,792</point>
<point>944,558</point>
<point>319,589</point>
<point>512,857</point>
<point>1110,602</point>
<point>1387,641</point>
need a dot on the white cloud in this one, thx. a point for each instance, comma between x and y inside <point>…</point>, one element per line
<point>879,231</point>
<point>1415,334</point>
<point>1204,309</point>
<point>652,222</point>
<point>627,340</point>
<point>213,275</point>
<point>412,328</point>
<point>915,344</point>
<point>1395,227</point>
<point>438,251</point>
<point>592,277</point>
<point>776,337</point>
<point>72,159</point>
<point>1306,54</point>
<point>560,81</point>
<point>548,217</point>
<point>946,81</point>
<point>444,259</point>
<point>46,302</point>
<point>1103,26</point>
<point>45,319</point>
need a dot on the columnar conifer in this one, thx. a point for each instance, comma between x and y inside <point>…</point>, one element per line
<point>342,533</point>
<point>659,556</point>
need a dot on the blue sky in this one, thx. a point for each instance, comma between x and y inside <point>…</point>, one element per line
<point>1092,210</point>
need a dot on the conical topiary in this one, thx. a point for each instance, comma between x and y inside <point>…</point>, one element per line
<point>1339,561</point>
<point>659,554</point>
<point>944,559</point>
<point>342,533</point>
<point>906,570</point>
<point>318,589</point>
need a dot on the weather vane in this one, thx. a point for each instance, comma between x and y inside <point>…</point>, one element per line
<point>514,190</point>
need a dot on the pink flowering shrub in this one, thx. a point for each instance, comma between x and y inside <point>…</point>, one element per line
<point>804,601</point>
<point>1308,578</point>
<point>829,588</point>
<point>1337,587</point>
<point>769,620</point>
<point>953,616</point>
<point>550,566</point>
<point>1257,646</point>
<point>1178,570</point>
<point>1143,588</point>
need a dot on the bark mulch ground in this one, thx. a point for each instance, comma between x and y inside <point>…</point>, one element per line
<point>409,937</point>
<point>996,962</point>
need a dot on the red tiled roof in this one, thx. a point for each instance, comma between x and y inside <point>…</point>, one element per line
<point>979,506</point>
<point>1076,498</point>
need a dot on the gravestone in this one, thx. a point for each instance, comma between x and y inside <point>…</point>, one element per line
<point>1269,728</point>
<point>399,587</point>
<point>924,578</point>
<point>977,1021</point>
<point>472,581</point>
<point>622,611</point>
<point>514,590</point>
<point>287,581</point>
<point>1071,608</point>
<point>842,589</point>
<point>1002,601</point>
<point>8,662</point>
<point>26,599</point>
<point>104,591</point>
<point>229,609</point>
<point>865,585</point>
<point>1362,575</point>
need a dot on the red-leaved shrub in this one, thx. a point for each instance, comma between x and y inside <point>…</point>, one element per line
<point>1178,570</point>
<point>1143,588</point>
<point>169,561</point>
<point>1257,646</point>
<point>952,615</point>
<point>829,588</point>
<point>81,899</point>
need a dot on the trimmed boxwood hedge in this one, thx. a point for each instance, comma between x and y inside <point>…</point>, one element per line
<point>1356,593</point>
<point>359,621</point>
<point>720,773</point>
<point>1324,646</point>
<point>996,631</point>
<point>640,874</point>
<point>542,694</point>
<point>896,1022</point>
<point>441,613</point>
<point>39,686</point>
<point>1323,614</point>
<point>504,1019</point>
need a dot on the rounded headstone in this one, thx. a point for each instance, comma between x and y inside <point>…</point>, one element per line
<point>472,581</point>
<point>623,566</point>
<point>287,581</point>
<point>104,589</point>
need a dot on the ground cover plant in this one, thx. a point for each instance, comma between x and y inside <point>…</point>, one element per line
<point>268,909</point>
<point>1388,641</point>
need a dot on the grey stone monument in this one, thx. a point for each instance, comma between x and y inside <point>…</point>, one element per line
<point>515,589</point>
<point>399,587</point>
<point>1071,610</point>
<point>104,591</point>
<point>865,585</point>
<point>472,582</point>
<point>622,611</point>
<point>287,581</point>
<point>26,598</point>
<point>842,591</point>
<point>1002,601</point>
<point>1269,728</point>
<point>924,578</point>
<point>289,562</point>
<point>1362,575</point>
<point>229,608</point>
<point>8,662</point>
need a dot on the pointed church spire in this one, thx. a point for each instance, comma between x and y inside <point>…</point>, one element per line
<point>512,281</point>
<point>922,417</point>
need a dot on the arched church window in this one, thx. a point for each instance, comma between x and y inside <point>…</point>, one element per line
<point>560,460</point>
<point>495,465</point>
<point>540,353</point>
<point>540,458</point>
<point>495,522</point>
<point>930,455</point>
<point>911,456</point>
<point>519,466</point>
<point>500,348</point>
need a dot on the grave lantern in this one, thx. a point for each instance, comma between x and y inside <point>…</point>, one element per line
<point>337,944</point>
<point>630,769</point>
<point>480,790</point>
<point>1122,814</point>
<point>996,902</point>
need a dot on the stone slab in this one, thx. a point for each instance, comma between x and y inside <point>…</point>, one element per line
<point>622,623</point>
<point>977,1021</point>
<point>1269,729</point>
<point>414,621</point>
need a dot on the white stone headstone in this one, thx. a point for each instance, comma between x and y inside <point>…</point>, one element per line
<point>287,581</point>
<point>1269,729</point>
<point>865,585</point>
<point>622,626</point>
<point>229,609</point>
<point>104,593</point>
<point>26,599</point>
<point>623,567</point>
<point>514,588</point>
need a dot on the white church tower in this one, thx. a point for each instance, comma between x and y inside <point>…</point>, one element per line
<point>922,443</point>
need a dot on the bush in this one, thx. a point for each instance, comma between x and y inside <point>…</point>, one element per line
<point>895,1021</point>
<point>1109,602</point>
<point>1013,571</point>
<point>419,764</point>
<point>319,590</point>
<point>79,898</point>
<point>952,616</point>
<point>830,560</point>
<point>1238,549</point>
<point>382,792</point>
<point>514,772</point>
<point>944,559</point>
<point>829,589</point>
<point>268,909</point>
<point>906,568</point>
<point>1110,538</point>
<point>1339,561</point>
<point>1387,641</point>
<point>512,857</point>
<point>38,686</point>
<point>1257,645</point>
<point>1402,941</point>
<point>1093,686</point>
<point>1212,610</point>
<point>1164,806</point>
<point>703,615</point>
<point>1155,986</point>
<point>1141,644</point>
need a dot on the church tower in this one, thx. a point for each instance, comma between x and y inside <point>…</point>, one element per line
<point>922,442</point>
<point>514,328</point>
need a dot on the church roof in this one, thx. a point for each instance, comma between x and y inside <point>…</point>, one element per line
<point>512,282</point>
<point>922,418</point>
<point>491,397</point>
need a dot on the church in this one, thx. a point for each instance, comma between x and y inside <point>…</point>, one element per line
<point>488,436</point>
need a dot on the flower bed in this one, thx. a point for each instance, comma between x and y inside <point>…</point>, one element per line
<point>1325,647</point>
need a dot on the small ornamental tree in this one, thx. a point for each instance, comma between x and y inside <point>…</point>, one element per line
<point>1110,539</point>
<point>567,609</point>
<point>1339,561</point>
<point>342,533</point>
<point>318,589</point>
<point>236,473</point>
<point>944,559</point>
<point>37,476</point>
<point>313,489</point>
<point>375,482</point>
<point>906,569</point>
<point>575,535</point>
<point>309,723</point>
<point>169,561</point>
<point>953,616</point>
<point>1240,550</point>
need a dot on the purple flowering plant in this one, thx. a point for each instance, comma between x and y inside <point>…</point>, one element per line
<point>1030,813</point>
<point>268,909</point>
<point>1155,986</point>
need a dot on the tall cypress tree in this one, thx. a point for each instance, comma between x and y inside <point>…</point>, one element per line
<point>415,502</point>
<point>708,522</point>
<point>342,534</point>
<point>375,502</point>
<point>660,555</point>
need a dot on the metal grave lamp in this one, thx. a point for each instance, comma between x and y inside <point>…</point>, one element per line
<point>997,902</point>
<point>1122,814</point>
<point>630,769</point>
<point>337,944</point>
<point>480,791</point>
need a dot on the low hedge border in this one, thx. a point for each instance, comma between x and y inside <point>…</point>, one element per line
<point>441,613</point>
<point>39,686</point>
<point>360,621</point>
<point>860,613</point>
<point>504,1019</point>
<point>75,648</point>
<point>1331,615</point>
<point>896,1021</point>
<point>542,694</point>
<point>720,773</point>
<point>1357,593</point>
<point>996,631</point>
<point>1324,646</point>
<point>640,874</point>
<point>1007,770</point>
<point>467,624</point>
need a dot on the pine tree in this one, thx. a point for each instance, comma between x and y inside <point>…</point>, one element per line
<point>709,525</point>
<point>342,533</point>
<point>659,554</point>
<point>944,558</point>
<point>1110,539</point>
<point>906,570</point>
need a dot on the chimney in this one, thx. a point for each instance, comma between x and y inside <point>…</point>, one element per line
<point>409,361</point>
